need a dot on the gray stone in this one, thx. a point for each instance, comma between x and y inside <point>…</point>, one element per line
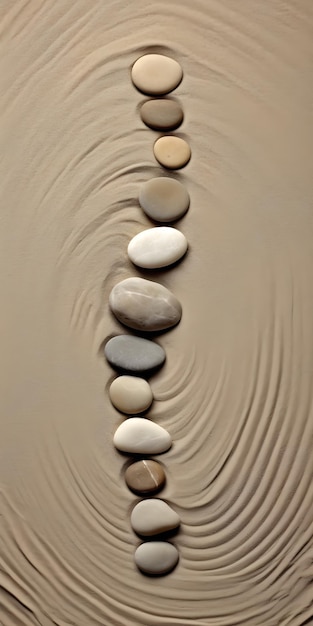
<point>156,557</point>
<point>164,199</point>
<point>162,114</point>
<point>134,354</point>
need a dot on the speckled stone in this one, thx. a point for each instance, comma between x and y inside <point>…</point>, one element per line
<point>162,114</point>
<point>172,152</point>
<point>156,74</point>
<point>144,305</point>
<point>130,394</point>
<point>138,435</point>
<point>164,199</point>
<point>157,247</point>
<point>145,477</point>
<point>156,557</point>
<point>134,354</point>
<point>152,517</point>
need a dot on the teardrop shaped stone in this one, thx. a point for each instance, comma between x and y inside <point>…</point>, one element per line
<point>145,477</point>
<point>162,114</point>
<point>152,517</point>
<point>156,557</point>
<point>144,305</point>
<point>134,354</point>
<point>156,74</point>
<point>164,199</point>
<point>138,435</point>
<point>172,152</point>
<point>130,394</point>
<point>157,247</point>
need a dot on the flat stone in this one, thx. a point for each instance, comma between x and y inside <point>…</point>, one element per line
<point>145,477</point>
<point>152,517</point>
<point>144,305</point>
<point>164,114</point>
<point>157,247</point>
<point>156,74</point>
<point>156,557</point>
<point>134,354</point>
<point>164,199</point>
<point>138,435</point>
<point>172,152</point>
<point>130,394</point>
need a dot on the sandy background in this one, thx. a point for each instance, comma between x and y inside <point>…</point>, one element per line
<point>236,391</point>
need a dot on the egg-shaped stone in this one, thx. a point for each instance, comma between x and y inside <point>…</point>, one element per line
<point>134,354</point>
<point>157,247</point>
<point>144,305</point>
<point>138,435</point>
<point>130,394</point>
<point>162,114</point>
<point>152,517</point>
<point>164,199</point>
<point>145,477</point>
<point>156,74</point>
<point>172,152</point>
<point>156,557</point>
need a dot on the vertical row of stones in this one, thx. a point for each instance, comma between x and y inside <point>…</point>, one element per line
<point>148,306</point>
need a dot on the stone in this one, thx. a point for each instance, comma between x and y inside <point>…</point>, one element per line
<point>138,435</point>
<point>130,394</point>
<point>163,114</point>
<point>164,199</point>
<point>157,247</point>
<point>172,152</point>
<point>156,74</point>
<point>152,517</point>
<point>145,477</point>
<point>144,305</point>
<point>156,557</point>
<point>134,354</point>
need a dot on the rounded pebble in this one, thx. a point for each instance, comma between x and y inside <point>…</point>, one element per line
<point>156,74</point>
<point>172,152</point>
<point>144,305</point>
<point>157,247</point>
<point>152,517</point>
<point>138,435</point>
<point>145,477</point>
<point>156,557</point>
<point>162,114</point>
<point>164,199</point>
<point>130,394</point>
<point>134,354</point>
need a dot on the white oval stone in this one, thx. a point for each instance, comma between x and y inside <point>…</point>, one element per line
<point>130,394</point>
<point>152,517</point>
<point>157,247</point>
<point>156,557</point>
<point>138,435</point>
<point>156,74</point>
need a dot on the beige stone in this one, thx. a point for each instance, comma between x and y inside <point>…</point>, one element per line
<point>156,557</point>
<point>162,114</point>
<point>164,199</point>
<point>156,74</point>
<point>130,394</point>
<point>138,435</point>
<point>172,152</point>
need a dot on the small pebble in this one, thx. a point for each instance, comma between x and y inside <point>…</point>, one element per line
<point>162,114</point>
<point>130,394</point>
<point>138,435</point>
<point>145,477</point>
<point>156,74</point>
<point>156,557</point>
<point>157,247</point>
<point>164,199</point>
<point>172,152</point>
<point>144,305</point>
<point>134,354</point>
<point>152,517</point>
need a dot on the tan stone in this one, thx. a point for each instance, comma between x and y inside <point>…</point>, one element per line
<point>172,152</point>
<point>164,199</point>
<point>145,477</point>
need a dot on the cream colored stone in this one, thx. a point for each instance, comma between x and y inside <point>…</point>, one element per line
<point>152,517</point>
<point>156,557</point>
<point>156,74</point>
<point>138,435</point>
<point>157,247</point>
<point>172,152</point>
<point>130,394</point>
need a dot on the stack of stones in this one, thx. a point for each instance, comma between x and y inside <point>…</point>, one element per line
<point>147,306</point>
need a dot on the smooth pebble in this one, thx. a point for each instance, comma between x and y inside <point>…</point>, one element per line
<point>164,199</point>
<point>157,247</point>
<point>130,394</point>
<point>156,74</point>
<point>164,114</point>
<point>144,305</point>
<point>152,517</point>
<point>145,477</point>
<point>134,354</point>
<point>138,435</point>
<point>172,152</point>
<point>156,557</point>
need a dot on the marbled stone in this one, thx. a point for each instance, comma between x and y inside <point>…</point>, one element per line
<point>156,74</point>
<point>164,199</point>
<point>162,114</point>
<point>138,435</point>
<point>134,354</point>
<point>130,394</point>
<point>157,247</point>
<point>172,152</point>
<point>156,557</point>
<point>144,305</point>
<point>145,477</point>
<point>152,517</point>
